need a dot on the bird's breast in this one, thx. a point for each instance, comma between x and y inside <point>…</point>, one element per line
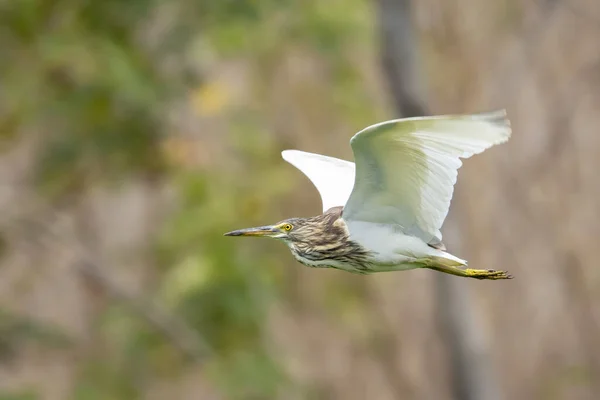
<point>343,255</point>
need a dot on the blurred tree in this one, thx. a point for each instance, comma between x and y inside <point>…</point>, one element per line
<point>472,376</point>
<point>93,83</point>
<point>155,126</point>
<point>16,330</point>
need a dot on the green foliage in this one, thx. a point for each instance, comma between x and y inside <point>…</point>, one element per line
<point>100,380</point>
<point>249,375</point>
<point>96,80</point>
<point>21,395</point>
<point>79,73</point>
<point>17,331</point>
<point>224,298</point>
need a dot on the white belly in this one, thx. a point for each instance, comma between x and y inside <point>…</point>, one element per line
<point>390,246</point>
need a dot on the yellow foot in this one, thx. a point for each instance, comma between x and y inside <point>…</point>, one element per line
<point>487,274</point>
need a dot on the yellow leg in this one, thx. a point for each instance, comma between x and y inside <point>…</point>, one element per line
<point>454,268</point>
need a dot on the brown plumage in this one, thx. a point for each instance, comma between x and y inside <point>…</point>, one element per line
<point>323,241</point>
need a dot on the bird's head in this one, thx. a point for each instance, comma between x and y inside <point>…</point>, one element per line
<point>314,231</point>
<point>288,230</point>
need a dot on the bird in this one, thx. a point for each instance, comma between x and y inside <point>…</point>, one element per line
<point>384,211</point>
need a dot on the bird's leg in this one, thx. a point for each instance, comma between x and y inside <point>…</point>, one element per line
<point>454,268</point>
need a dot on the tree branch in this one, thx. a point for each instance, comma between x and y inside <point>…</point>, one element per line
<point>172,328</point>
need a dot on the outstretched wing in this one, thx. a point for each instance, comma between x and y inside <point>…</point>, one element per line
<point>406,169</point>
<point>333,178</point>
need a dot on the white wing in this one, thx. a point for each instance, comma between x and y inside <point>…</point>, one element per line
<point>333,178</point>
<point>407,168</point>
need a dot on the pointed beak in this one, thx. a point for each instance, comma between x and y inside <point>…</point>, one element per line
<point>259,231</point>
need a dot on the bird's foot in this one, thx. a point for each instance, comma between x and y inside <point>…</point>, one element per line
<point>455,268</point>
<point>487,274</point>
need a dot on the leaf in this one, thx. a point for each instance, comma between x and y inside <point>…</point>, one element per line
<point>210,99</point>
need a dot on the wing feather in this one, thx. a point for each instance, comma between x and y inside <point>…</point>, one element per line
<point>333,178</point>
<point>406,169</point>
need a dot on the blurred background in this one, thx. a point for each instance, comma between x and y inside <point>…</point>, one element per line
<point>134,133</point>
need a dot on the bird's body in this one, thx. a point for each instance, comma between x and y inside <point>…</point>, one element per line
<point>384,212</point>
<point>364,249</point>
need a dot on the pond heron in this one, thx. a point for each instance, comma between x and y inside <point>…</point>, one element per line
<point>384,212</point>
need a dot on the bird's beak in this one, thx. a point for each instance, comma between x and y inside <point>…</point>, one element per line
<point>267,231</point>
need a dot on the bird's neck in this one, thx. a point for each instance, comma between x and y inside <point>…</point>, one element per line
<point>331,247</point>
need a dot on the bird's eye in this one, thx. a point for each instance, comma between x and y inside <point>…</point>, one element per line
<point>287,227</point>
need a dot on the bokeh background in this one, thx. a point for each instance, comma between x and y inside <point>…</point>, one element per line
<point>134,133</point>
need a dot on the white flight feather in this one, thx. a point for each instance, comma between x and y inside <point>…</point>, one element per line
<point>407,168</point>
<point>333,178</point>
<point>405,175</point>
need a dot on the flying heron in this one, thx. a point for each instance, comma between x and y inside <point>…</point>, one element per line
<point>384,213</point>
